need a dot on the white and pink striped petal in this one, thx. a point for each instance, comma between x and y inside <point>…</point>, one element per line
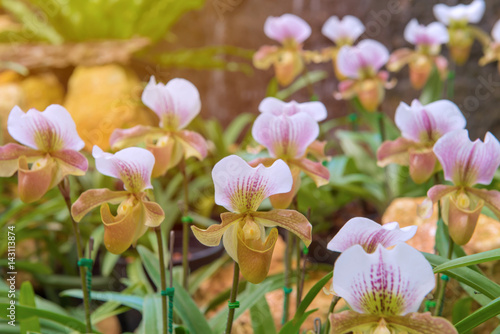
<point>428,123</point>
<point>50,130</point>
<point>132,165</point>
<point>285,136</point>
<point>432,34</point>
<point>344,31</point>
<point>242,188</point>
<point>175,103</point>
<point>367,57</point>
<point>287,27</point>
<point>465,162</point>
<point>272,105</point>
<point>471,13</point>
<point>369,234</point>
<point>385,283</point>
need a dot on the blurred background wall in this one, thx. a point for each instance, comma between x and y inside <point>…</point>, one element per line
<point>240,23</point>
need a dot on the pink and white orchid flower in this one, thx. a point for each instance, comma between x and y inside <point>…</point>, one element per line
<point>277,107</point>
<point>421,126</point>
<point>384,290</point>
<point>369,234</point>
<point>343,32</point>
<point>241,188</point>
<point>361,64</point>
<point>177,103</point>
<point>427,40</point>
<point>465,163</point>
<point>51,146</point>
<point>291,31</point>
<point>458,19</point>
<point>135,213</point>
<point>492,48</point>
<point>288,137</point>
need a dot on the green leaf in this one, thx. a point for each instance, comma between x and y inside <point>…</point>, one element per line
<point>461,309</point>
<point>433,88</point>
<point>152,314</point>
<point>235,129</point>
<point>200,275</point>
<point>303,81</point>
<point>27,298</point>
<point>312,293</point>
<point>465,261</point>
<point>272,87</point>
<point>184,305</point>
<point>131,301</point>
<point>293,326</point>
<point>262,318</point>
<point>31,267</point>
<point>467,276</point>
<point>109,262</point>
<point>25,312</point>
<point>480,316</point>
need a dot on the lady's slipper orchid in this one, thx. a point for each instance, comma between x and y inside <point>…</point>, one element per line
<point>384,290</point>
<point>176,104</point>
<point>341,32</point>
<point>288,137</point>
<point>421,126</point>
<point>369,234</point>
<point>427,40</point>
<point>51,146</point>
<point>277,107</point>
<point>135,213</point>
<point>241,188</point>
<point>465,163</point>
<point>361,64</point>
<point>492,49</point>
<point>291,31</point>
<point>457,18</point>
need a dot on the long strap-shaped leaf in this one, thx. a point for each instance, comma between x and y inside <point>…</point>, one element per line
<point>465,261</point>
<point>480,316</point>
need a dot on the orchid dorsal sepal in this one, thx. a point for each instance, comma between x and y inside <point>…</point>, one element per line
<point>369,234</point>
<point>460,14</point>
<point>344,31</point>
<point>287,28</point>
<point>272,105</point>
<point>50,152</point>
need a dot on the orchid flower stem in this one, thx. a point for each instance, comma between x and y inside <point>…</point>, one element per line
<point>232,298</point>
<point>299,272</point>
<point>450,87</point>
<point>288,270</point>
<point>64,188</point>
<point>381,125</point>
<point>185,227</point>
<point>163,279</point>
<point>440,299</point>
<point>310,88</point>
<point>334,302</point>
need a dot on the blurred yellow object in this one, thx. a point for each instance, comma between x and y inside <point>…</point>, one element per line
<point>36,91</point>
<point>103,98</point>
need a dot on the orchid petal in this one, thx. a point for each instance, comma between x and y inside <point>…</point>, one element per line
<point>123,138</point>
<point>285,136</point>
<point>122,230</point>
<point>175,103</point>
<point>421,323</point>
<point>35,182</point>
<point>291,220</point>
<point>386,282</point>
<point>433,34</point>
<point>462,221</point>
<point>369,234</point>
<point>153,213</point>
<point>317,149</point>
<point>194,144</point>
<point>495,32</point>
<point>395,151</point>
<point>212,235</point>
<point>287,66</point>
<point>241,188</point>
<point>132,165</point>
<point>439,191</point>
<point>230,241</point>
<point>343,31</point>
<point>428,123</point>
<point>10,154</point>
<point>254,256</point>
<point>71,162</point>
<point>315,170</point>
<point>465,162</point>
<point>265,56</point>
<point>283,201</point>
<point>277,107</point>
<point>399,59</point>
<point>367,54</point>
<point>422,165</point>
<point>285,27</point>
<point>490,197</point>
<point>471,13</point>
<point>93,198</point>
